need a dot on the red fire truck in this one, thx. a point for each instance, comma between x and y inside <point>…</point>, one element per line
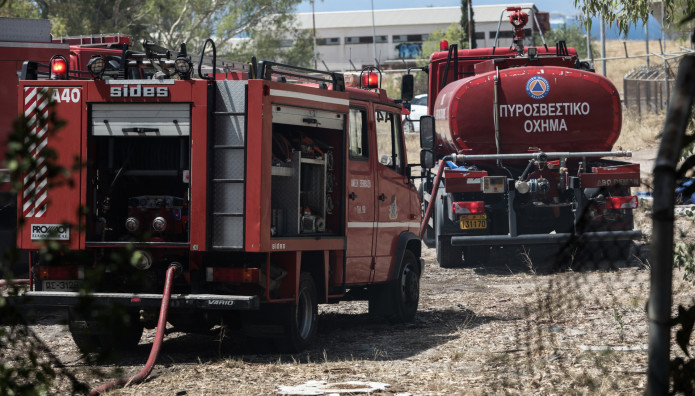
<point>268,190</point>
<point>517,151</point>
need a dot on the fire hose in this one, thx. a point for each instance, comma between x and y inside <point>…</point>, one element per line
<point>172,271</point>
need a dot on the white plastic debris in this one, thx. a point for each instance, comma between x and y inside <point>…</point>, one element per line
<point>325,388</point>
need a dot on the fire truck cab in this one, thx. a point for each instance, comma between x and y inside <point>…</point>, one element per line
<point>270,188</point>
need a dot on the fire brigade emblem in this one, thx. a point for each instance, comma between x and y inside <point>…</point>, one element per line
<point>537,87</point>
<point>393,209</point>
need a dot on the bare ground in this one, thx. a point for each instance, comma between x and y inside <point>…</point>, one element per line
<point>498,329</point>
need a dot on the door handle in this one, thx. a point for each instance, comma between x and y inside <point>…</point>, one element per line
<point>352,196</point>
<point>382,197</point>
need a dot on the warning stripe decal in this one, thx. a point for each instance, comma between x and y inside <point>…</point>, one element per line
<point>35,194</point>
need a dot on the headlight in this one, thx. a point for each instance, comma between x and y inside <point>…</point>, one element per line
<point>96,66</point>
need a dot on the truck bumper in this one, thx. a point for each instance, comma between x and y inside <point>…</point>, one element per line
<point>535,239</point>
<point>184,301</point>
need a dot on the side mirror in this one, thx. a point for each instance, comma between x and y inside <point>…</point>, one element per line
<point>407,87</point>
<point>426,159</point>
<point>427,132</point>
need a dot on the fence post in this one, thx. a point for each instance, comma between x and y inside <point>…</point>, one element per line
<point>660,283</point>
<point>639,100</point>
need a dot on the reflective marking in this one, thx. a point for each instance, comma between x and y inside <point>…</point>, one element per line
<point>315,98</point>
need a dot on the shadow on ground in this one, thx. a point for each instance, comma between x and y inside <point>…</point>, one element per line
<point>547,259</point>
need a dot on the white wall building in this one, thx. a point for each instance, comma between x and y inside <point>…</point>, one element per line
<point>345,40</point>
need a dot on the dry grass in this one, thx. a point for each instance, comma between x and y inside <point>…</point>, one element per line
<point>640,132</point>
<point>616,69</point>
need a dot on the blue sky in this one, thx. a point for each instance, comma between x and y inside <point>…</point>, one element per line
<point>565,6</point>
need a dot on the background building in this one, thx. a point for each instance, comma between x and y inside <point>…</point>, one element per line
<point>345,39</point>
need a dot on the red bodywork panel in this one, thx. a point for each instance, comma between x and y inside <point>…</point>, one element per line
<point>610,176</point>
<point>463,181</point>
<point>12,55</point>
<point>40,207</point>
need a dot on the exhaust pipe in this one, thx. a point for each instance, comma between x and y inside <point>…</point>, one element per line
<point>174,269</point>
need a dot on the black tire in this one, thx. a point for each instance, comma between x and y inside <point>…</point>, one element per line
<point>474,256</point>
<point>448,256</point>
<point>105,334</point>
<point>616,251</point>
<point>398,300</point>
<point>300,319</point>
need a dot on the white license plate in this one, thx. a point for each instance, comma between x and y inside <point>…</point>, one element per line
<point>61,285</point>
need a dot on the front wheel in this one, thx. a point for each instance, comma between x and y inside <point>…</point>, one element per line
<point>300,318</point>
<point>397,301</point>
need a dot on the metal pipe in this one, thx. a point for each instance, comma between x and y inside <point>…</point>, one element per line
<point>496,114</point>
<point>499,24</point>
<point>541,156</point>
<point>533,12</point>
<point>537,239</point>
<point>172,271</point>
<point>660,286</point>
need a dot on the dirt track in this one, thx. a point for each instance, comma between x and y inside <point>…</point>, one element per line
<point>491,330</point>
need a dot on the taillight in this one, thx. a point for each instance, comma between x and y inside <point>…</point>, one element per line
<point>233,275</point>
<point>621,203</point>
<point>468,207</point>
<point>58,272</point>
<point>370,80</point>
<point>59,68</point>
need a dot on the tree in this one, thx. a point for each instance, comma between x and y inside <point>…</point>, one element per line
<point>465,25</point>
<point>167,23</point>
<point>629,12</point>
<point>572,35</point>
<point>273,45</point>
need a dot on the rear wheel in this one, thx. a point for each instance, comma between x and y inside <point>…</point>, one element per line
<point>112,331</point>
<point>448,256</point>
<point>300,319</point>
<point>476,255</point>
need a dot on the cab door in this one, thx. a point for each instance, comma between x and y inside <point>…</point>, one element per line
<point>393,191</point>
<point>360,185</point>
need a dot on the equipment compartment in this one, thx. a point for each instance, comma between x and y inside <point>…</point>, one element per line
<point>306,162</point>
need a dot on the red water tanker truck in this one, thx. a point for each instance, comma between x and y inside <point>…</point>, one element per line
<point>517,152</point>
